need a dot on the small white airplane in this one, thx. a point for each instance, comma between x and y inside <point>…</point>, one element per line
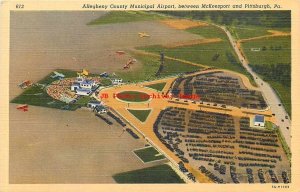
<point>57,75</point>
<point>143,34</point>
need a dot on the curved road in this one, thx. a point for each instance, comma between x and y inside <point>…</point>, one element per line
<point>268,92</point>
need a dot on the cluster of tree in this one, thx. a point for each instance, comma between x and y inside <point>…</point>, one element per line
<point>275,48</point>
<point>257,18</point>
<point>275,72</point>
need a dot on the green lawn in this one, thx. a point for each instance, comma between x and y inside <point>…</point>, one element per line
<point>133,96</point>
<point>150,65</point>
<point>157,86</point>
<point>209,32</point>
<point>148,154</point>
<point>140,114</point>
<point>83,101</point>
<point>157,174</point>
<point>278,50</point>
<point>105,82</point>
<point>269,126</point>
<point>126,16</point>
<point>206,53</point>
<point>285,146</point>
<point>284,93</point>
<point>244,32</point>
<point>203,54</point>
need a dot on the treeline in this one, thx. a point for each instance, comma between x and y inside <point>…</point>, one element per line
<point>275,72</point>
<point>257,18</point>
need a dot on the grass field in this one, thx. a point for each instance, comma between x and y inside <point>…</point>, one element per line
<point>140,114</point>
<point>203,54</point>
<point>278,50</point>
<point>244,32</point>
<point>106,82</point>
<point>157,174</point>
<point>284,94</point>
<point>126,16</point>
<point>269,125</point>
<point>157,86</point>
<point>285,146</point>
<point>83,101</point>
<point>148,154</point>
<point>209,32</point>
<point>219,55</point>
<point>150,65</point>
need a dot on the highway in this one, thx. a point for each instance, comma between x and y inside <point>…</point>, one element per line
<point>268,92</point>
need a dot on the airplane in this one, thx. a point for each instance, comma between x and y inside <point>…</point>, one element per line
<point>104,74</point>
<point>143,34</point>
<point>25,84</point>
<point>120,52</point>
<point>126,66</point>
<point>129,62</point>
<point>84,73</point>
<point>58,75</point>
<point>22,107</point>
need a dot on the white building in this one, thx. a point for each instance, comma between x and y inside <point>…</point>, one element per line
<point>259,121</point>
<point>83,91</point>
<point>83,86</point>
<point>94,104</point>
<point>75,86</point>
<point>87,84</point>
<point>117,81</point>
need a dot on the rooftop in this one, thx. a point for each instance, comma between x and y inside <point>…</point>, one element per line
<point>259,118</point>
<point>100,107</point>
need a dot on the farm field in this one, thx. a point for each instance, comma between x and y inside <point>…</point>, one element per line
<point>148,154</point>
<point>157,174</point>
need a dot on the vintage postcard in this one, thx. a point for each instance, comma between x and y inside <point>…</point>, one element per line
<point>183,95</point>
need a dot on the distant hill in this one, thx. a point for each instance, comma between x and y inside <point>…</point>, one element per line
<point>273,19</point>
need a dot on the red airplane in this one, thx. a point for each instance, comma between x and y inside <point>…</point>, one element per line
<point>120,52</point>
<point>22,108</point>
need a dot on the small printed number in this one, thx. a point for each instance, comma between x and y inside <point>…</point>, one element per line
<point>19,6</point>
